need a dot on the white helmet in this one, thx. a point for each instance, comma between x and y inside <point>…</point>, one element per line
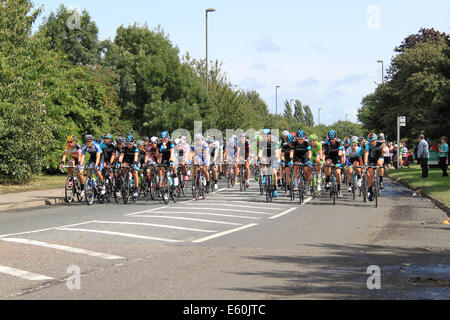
<point>177,141</point>
<point>285,133</point>
<point>198,136</point>
<point>154,139</point>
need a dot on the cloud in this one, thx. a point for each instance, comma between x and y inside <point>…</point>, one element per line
<point>266,44</point>
<point>259,66</point>
<point>318,47</point>
<point>251,83</point>
<point>351,80</point>
<point>310,82</point>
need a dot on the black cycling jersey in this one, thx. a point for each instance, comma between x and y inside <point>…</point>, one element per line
<point>164,149</point>
<point>331,151</point>
<point>300,150</point>
<point>246,147</point>
<point>129,153</point>
<point>142,156</point>
<point>375,152</point>
<point>108,150</point>
<point>267,147</point>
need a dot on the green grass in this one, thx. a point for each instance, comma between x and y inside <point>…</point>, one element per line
<point>436,185</point>
<point>38,182</point>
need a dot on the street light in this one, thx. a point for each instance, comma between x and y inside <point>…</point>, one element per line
<point>207,74</point>
<point>276,99</point>
<point>382,70</point>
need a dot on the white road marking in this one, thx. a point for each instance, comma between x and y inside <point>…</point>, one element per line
<point>23,274</point>
<point>64,248</point>
<point>146,211</point>
<point>190,219</point>
<point>263,203</point>
<point>239,206</point>
<point>129,235</point>
<point>209,214</point>
<point>289,210</point>
<point>154,225</point>
<point>231,210</point>
<point>42,230</point>
<point>217,235</point>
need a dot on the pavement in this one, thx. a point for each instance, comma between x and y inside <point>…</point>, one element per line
<point>31,199</point>
<point>233,245</point>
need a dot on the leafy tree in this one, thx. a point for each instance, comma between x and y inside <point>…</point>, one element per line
<point>424,35</point>
<point>309,117</point>
<point>298,112</point>
<point>288,110</point>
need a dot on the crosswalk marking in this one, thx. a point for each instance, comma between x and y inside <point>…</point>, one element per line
<point>154,225</point>
<point>63,248</point>
<point>217,235</point>
<point>129,235</point>
<point>24,274</point>
<point>240,206</point>
<point>231,210</point>
<point>209,214</point>
<point>190,219</point>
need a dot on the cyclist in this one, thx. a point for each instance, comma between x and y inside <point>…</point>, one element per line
<point>200,157</point>
<point>243,154</point>
<point>333,153</point>
<point>129,156</point>
<point>95,160</point>
<point>301,154</point>
<point>269,153</point>
<point>214,148</point>
<point>146,142</point>
<point>142,153</point>
<point>373,157</point>
<point>108,147</point>
<point>285,155</point>
<point>73,149</point>
<point>230,152</point>
<point>317,157</point>
<point>166,155</point>
<point>353,159</point>
<point>150,157</point>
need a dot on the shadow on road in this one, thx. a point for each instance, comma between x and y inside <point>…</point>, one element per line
<point>406,273</point>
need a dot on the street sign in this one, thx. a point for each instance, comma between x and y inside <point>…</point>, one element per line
<point>402,121</point>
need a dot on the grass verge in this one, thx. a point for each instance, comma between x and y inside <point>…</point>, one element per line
<point>38,182</point>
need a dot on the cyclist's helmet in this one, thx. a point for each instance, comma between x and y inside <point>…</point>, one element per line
<point>120,140</point>
<point>381,137</point>
<point>301,134</point>
<point>154,139</point>
<point>107,135</point>
<point>140,143</point>
<point>198,136</point>
<point>372,137</point>
<point>267,131</point>
<point>285,133</point>
<point>130,138</point>
<point>210,140</point>
<point>290,138</point>
<point>347,141</point>
<point>146,139</point>
<point>294,134</point>
<point>313,137</point>
<point>71,138</point>
<point>165,135</point>
<point>89,137</point>
<point>332,134</point>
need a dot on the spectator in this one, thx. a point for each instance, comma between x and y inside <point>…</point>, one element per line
<point>423,154</point>
<point>404,153</point>
<point>443,155</point>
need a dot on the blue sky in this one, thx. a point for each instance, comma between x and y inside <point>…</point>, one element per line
<point>323,53</point>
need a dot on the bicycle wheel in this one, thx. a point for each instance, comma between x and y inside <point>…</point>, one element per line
<point>269,191</point>
<point>364,188</point>
<point>89,192</point>
<point>69,190</point>
<point>375,189</point>
<point>153,187</point>
<point>165,189</point>
<point>291,187</point>
<point>109,189</point>
<point>125,189</point>
<point>354,185</point>
<point>314,184</point>
<point>301,188</point>
<point>118,190</point>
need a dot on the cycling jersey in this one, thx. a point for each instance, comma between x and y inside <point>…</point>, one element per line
<point>108,150</point>
<point>246,147</point>
<point>286,150</point>
<point>73,151</point>
<point>316,150</point>
<point>200,151</point>
<point>142,154</point>
<point>165,152</point>
<point>214,147</point>
<point>129,153</point>
<point>93,150</point>
<point>300,150</point>
<point>352,156</point>
<point>375,152</point>
<point>268,148</point>
<point>331,151</point>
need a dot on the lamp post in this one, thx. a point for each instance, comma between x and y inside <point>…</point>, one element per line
<point>276,100</point>
<point>382,70</point>
<point>207,73</point>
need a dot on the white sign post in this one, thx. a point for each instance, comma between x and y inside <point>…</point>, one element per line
<point>401,122</point>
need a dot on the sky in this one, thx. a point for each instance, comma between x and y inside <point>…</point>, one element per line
<point>323,53</point>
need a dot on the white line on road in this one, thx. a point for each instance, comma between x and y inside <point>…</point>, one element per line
<point>129,235</point>
<point>263,203</point>
<point>289,210</point>
<point>23,274</point>
<point>224,233</point>
<point>155,225</point>
<point>190,219</point>
<point>42,230</point>
<point>231,210</point>
<point>210,214</point>
<point>239,206</point>
<point>63,248</point>
<point>146,211</point>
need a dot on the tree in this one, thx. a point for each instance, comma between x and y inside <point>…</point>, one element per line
<point>288,110</point>
<point>309,117</point>
<point>74,34</point>
<point>424,35</point>
<point>298,113</point>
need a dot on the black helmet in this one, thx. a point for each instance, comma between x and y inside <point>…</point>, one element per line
<point>89,137</point>
<point>146,138</point>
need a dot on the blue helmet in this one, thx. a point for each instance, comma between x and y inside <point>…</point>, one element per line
<point>267,131</point>
<point>130,138</point>
<point>372,136</point>
<point>301,134</point>
<point>164,135</point>
<point>332,134</point>
<point>290,138</point>
<point>107,136</point>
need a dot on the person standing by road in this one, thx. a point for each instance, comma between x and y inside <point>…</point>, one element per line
<point>443,155</point>
<point>423,155</point>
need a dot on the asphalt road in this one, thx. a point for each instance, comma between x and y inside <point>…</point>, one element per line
<point>232,245</point>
